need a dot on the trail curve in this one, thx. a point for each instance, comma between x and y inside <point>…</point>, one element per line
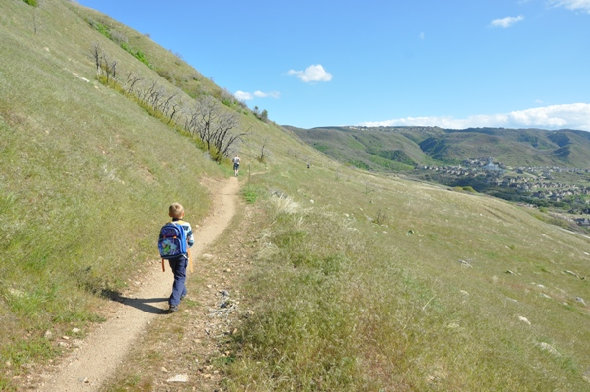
<point>104,350</point>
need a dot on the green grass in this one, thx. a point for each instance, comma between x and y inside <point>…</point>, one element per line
<point>87,178</point>
<point>250,194</point>
<point>357,281</point>
<point>344,304</point>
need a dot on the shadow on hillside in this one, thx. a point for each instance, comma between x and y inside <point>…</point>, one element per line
<point>142,304</point>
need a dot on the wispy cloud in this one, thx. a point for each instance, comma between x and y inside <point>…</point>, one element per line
<point>270,94</point>
<point>572,116</point>
<point>313,73</point>
<point>573,5</point>
<point>247,96</point>
<point>506,22</point>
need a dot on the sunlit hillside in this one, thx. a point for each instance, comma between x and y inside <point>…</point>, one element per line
<point>356,282</point>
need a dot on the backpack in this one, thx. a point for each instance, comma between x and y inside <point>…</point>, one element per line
<point>172,241</point>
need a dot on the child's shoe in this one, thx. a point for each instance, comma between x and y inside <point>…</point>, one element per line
<point>173,308</point>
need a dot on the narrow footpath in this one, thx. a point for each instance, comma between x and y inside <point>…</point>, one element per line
<point>104,350</point>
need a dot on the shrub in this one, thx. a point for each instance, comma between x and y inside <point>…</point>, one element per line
<point>103,29</point>
<point>250,194</point>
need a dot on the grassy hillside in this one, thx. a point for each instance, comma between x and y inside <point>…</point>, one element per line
<point>387,148</point>
<point>390,285</point>
<point>86,180</point>
<point>357,281</point>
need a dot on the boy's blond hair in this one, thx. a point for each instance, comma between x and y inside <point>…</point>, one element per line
<point>176,211</point>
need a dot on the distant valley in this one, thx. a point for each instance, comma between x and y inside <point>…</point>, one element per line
<point>548,169</point>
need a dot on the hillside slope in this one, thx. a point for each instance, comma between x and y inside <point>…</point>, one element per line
<point>389,147</point>
<point>353,282</point>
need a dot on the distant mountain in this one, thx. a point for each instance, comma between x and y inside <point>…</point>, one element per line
<point>398,148</point>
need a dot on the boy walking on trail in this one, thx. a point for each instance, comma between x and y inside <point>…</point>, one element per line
<point>178,264</point>
<point>236,162</point>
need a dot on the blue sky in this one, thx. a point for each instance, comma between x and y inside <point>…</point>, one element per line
<point>452,63</point>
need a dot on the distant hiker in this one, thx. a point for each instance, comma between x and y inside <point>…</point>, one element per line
<point>174,244</point>
<point>236,161</point>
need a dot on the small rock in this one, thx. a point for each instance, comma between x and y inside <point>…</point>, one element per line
<point>581,300</point>
<point>178,378</point>
<point>573,274</point>
<point>465,263</point>
<point>464,293</point>
<point>227,270</point>
<point>76,330</point>
<point>509,272</point>
<point>65,337</point>
<point>549,348</point>
<point>48,334</point>
<point>163,369</point>
<point>524,320</point>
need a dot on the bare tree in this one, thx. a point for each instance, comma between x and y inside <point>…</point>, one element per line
<point>214,125</point>
<point>110,68</point>
<point>206,116</point>
<point>175,109</point>
<point>97,56</point>
<point>222,137</point>
<point>132,80</point>
<point>165,106</point>
<point>262,157</point>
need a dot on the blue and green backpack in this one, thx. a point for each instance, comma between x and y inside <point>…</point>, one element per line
<point>172,241</point>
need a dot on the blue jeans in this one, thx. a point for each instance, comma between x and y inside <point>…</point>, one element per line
<point>178,267</point>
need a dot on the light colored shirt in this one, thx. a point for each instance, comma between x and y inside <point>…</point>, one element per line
<point>190,239</point>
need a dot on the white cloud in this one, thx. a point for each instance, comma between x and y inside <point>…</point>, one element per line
<point>573,5</point>
<point>246,96</point>
<point>313,73</point>
<point>271,94</point>
<point>243,95</point>
<point>506,22</point>
<point>572,116</point>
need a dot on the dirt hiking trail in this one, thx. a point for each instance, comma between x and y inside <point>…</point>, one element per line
<point>104,349</point>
